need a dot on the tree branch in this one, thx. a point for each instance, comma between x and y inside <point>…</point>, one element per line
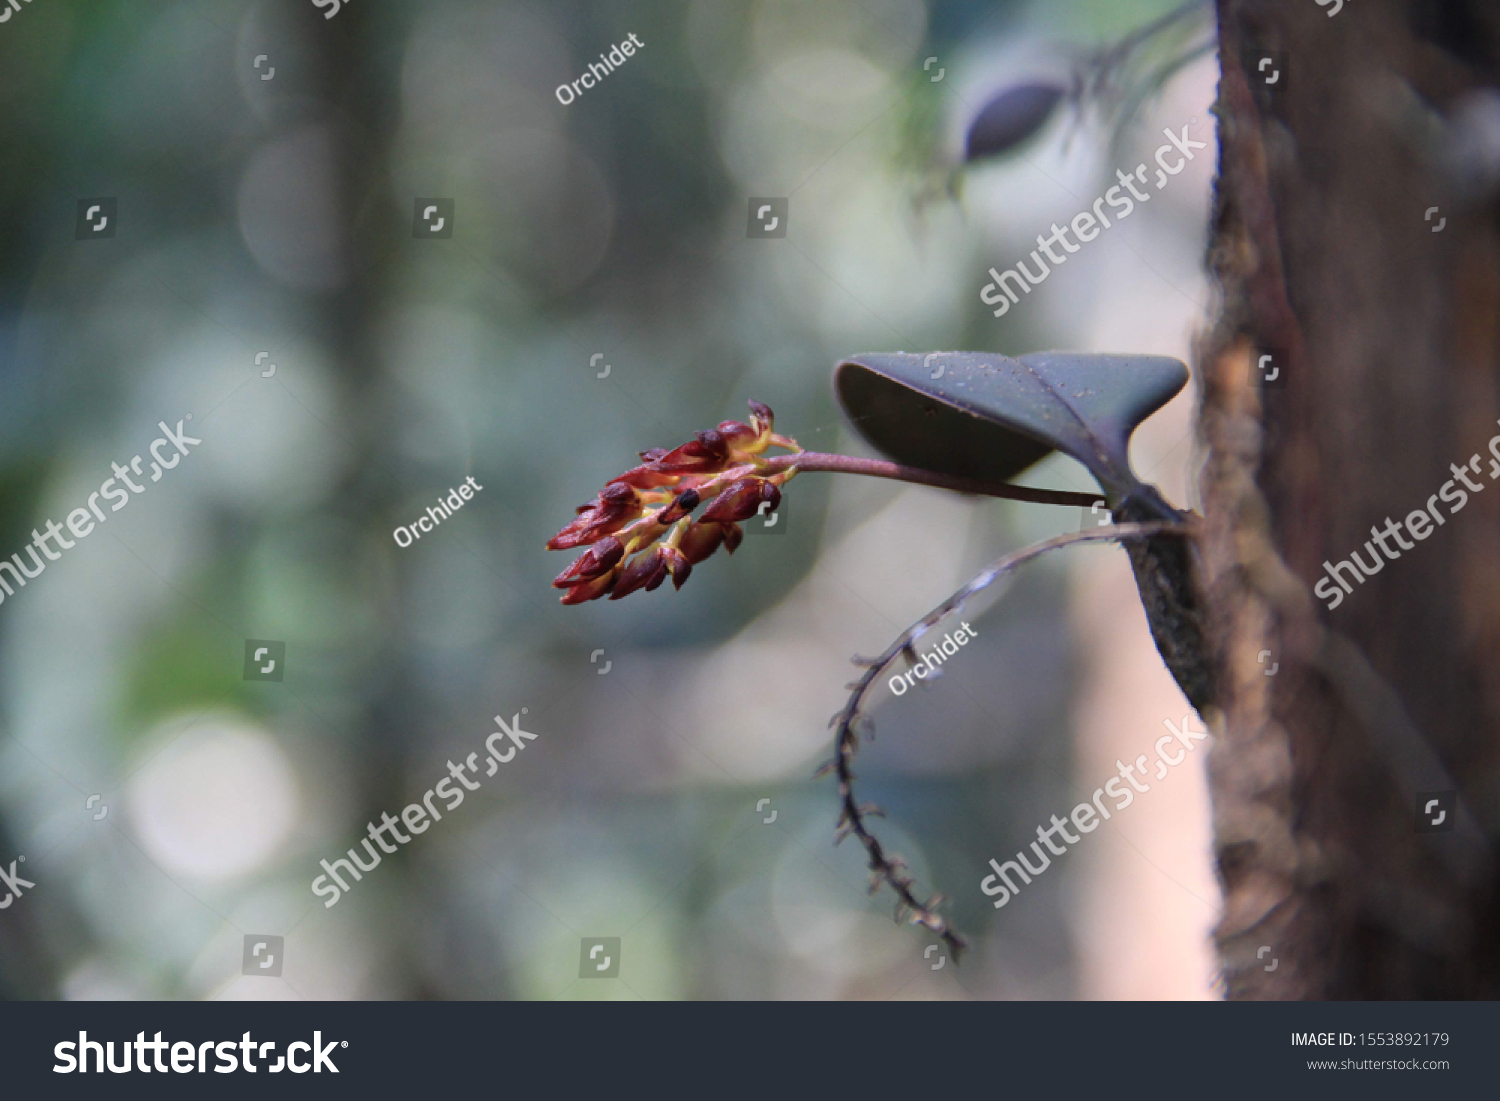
<point>890,869</point>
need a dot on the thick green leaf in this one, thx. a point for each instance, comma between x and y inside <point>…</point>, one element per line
<point>985,415</point>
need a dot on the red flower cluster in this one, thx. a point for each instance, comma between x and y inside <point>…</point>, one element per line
<point>647,512</point>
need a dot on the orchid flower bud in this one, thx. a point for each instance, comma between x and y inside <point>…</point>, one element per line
<point>646,571</point>
<point>592,589</point>
<point>737,434</point>
<point>701,540</point>
<point>597,560</point>
<point>706,454</point>
<point>677,565</point>
<point>686,501</point>
<point>616,506</point>
<point>742,499</point>
<point>657,524</point>
<point>761,417</point>
<point>645,476</point>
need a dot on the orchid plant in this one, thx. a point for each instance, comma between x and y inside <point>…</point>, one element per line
<point>970,425</point>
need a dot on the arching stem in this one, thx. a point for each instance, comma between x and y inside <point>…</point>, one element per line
<point>806,461</point>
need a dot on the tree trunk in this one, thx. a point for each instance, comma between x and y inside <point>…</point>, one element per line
<point>1380,319</point>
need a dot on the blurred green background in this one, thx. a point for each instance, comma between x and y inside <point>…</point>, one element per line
<point>275,214</point>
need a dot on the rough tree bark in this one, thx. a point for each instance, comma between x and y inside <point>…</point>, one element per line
<point>1387,337</point>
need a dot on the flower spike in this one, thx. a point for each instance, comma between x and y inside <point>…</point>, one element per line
<point>640,528</point>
